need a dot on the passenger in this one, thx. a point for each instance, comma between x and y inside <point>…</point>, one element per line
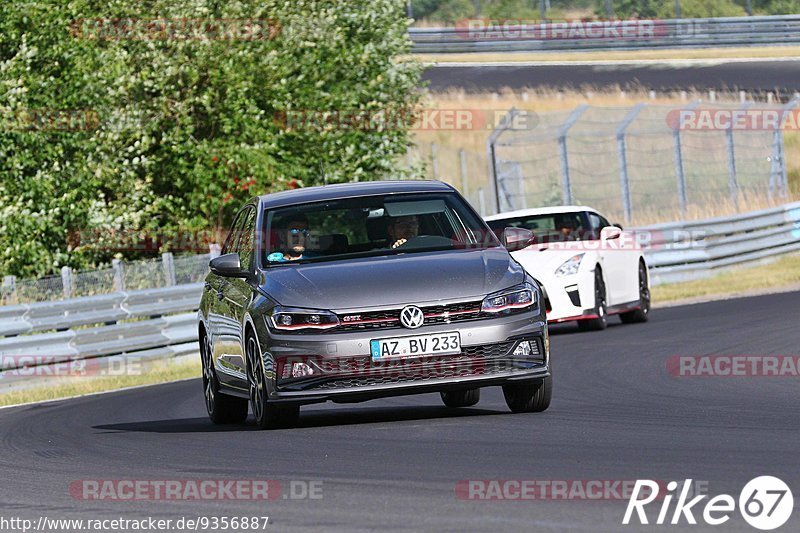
<point>401,229</point>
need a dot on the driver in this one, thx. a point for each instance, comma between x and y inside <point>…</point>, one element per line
<point>293,232</point>
<point>566,226</point>
<point>401,229</point>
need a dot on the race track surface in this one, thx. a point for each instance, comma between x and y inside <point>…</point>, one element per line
<point>393,464</point>
<point>780,77</point>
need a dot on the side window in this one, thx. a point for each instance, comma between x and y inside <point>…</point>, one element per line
<point>233,234</point>
<point>245,245</point>
<point>596,225</point>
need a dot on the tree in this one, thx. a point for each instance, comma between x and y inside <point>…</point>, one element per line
<point>181,126</point>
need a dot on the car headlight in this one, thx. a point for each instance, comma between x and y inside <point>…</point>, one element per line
<point>290,319</point>
<point>570,266</point>
<point>519,297</point>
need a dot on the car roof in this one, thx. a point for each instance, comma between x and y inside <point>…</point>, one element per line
<point>350,190</point>
<point>541,211</point>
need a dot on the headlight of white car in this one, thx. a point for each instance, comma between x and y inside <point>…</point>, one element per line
<point>570,266</point>
<point>519,297</point>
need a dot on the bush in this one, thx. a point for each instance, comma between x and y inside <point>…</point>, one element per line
<point>177,133</point>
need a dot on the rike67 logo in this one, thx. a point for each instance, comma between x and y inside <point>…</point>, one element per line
<point>765,503</point>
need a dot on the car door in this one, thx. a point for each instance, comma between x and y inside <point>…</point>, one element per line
<point>236,296</point>
<point>611,257</point>
<point>227,348</point>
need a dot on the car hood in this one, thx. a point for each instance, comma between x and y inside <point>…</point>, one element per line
<point>393,280</point>
<point>541,260</point>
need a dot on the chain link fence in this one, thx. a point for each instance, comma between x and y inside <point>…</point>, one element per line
<point>121,276</point>
<point>644,162</point>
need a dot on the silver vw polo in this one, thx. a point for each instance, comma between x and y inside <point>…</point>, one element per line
<point>366,290</point>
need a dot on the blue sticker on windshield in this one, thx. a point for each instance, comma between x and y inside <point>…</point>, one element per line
<point>275,256</point>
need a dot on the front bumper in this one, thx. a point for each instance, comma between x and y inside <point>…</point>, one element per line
<point>343,370</point>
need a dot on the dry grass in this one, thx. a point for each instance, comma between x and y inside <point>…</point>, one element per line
<point>674,54</point>
<point>50,389</point>
<point>473,142</point>
<point>783,273</point>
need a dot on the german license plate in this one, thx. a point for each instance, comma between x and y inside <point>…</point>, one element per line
<point>433,344</point>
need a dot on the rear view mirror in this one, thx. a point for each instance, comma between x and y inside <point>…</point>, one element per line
<point>517,238</point>
<point>228,266</point>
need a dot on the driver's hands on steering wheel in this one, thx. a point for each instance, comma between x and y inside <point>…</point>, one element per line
<point>399,242</point>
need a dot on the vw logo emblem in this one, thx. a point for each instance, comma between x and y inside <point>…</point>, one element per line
<point>411,317</point>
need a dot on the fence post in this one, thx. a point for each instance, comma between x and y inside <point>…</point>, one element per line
<point>66,281</point>
<point>491,151</point>
<point>482,202</point>
<point>462,157</point>
<point>625,184</point>
<point>169,269</point>
<point>733,184</point>
<point>119,275</point>
<point>10,288</point>
<point>566,183</point>
<point>434,161</point>
<point>679,170</point>
<point>778,156</point>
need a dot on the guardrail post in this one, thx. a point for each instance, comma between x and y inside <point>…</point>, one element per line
<point>624,181</point>
<point>119,275</point>
<point>566,182</point>
<point>169,269</point>
<point>462,158</point>
<point>481,202</point>
<point>214,250</point>
<point>66,281</point>
<point>10,288</point>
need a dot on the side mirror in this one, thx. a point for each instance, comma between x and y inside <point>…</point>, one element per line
<point>517,238</point>
<point>228,266</point>
<point>611,232</point>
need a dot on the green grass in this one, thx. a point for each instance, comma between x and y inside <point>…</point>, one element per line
<point>784,272</point>
<point>160,372</point>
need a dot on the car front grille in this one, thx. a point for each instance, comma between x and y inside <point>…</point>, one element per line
<point>436,314</point>
<point>480,360</point>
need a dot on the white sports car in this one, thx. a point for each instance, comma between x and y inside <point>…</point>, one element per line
<point>587,267</point>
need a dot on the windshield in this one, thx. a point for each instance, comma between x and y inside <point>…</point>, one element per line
<point>371,226</point>
<point>554,227</point>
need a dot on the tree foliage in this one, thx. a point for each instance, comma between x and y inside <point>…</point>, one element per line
<point>169,133</point>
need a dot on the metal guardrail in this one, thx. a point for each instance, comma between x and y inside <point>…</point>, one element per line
<point>682,251</point>
<point>677,251</point>
<point>601,35</point>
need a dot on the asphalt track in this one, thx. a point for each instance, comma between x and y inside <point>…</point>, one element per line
<point>393,464</point>
<point>780,77</point>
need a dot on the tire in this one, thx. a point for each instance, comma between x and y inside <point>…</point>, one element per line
<point>268,415</point>
<point>530,396</point>
<point>221,408</point>
<point>643,313</point>
<point>600,305</point>
<point>461,398</point>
